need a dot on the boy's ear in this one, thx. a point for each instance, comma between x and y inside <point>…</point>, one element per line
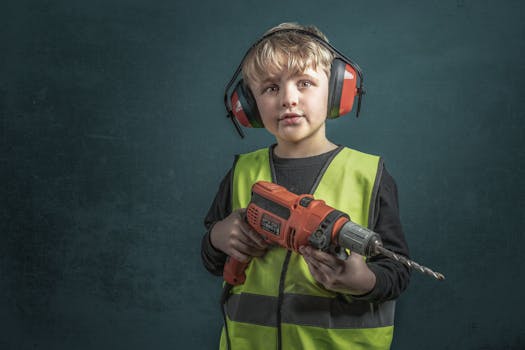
<point>244,107</point>
<point>342,88</point>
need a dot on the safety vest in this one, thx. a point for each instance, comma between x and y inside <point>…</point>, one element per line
<point>280,305</point>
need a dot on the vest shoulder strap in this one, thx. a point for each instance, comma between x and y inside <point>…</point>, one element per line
<point>350,183</point>
<point>248,169</point>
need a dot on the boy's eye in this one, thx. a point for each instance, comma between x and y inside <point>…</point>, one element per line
<point>305,83</point>
<point>270,89</point>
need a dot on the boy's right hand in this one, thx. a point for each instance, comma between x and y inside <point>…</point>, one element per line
<point>234,236</point>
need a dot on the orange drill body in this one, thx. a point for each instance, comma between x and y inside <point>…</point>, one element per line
<point>285,219</point>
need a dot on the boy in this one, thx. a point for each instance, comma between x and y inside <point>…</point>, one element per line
<point>311,300</point>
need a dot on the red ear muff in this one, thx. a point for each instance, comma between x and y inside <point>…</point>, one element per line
<point>244,107</point>
<point>342,88</point>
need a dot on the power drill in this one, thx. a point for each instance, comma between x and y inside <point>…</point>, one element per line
<point>292,221</point>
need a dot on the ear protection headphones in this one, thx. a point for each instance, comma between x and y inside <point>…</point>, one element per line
<point>242,108</point>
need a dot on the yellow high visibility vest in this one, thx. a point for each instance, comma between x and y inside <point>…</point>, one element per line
<point>280,305</point>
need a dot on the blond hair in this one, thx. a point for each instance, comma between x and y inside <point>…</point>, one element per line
<point>288,49</point>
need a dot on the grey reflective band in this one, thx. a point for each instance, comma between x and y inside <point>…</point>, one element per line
<point>307,310</point>
<point>252,308</point>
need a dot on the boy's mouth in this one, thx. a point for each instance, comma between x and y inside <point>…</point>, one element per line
<point>290,118</point>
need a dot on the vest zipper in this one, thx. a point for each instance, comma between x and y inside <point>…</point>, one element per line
<point>281,297</point>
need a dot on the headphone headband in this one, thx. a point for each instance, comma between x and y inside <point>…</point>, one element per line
<point>323,42</point>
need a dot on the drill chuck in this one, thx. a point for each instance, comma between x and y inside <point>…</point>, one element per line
<point>359,239</point>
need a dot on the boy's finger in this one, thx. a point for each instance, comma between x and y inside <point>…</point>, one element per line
<point>321,260</point>
<point>248,250</point>
<point>237,255</point>
<point>254,236</point>
<point>325,258</point>
<point>245,240</point>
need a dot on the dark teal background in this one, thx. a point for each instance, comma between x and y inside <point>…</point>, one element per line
<point>113,141</point>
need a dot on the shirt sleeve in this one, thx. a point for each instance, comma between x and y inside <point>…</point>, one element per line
<point>214,259</point>
<point>392,277</point>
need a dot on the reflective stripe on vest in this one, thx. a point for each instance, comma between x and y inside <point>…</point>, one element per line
<point>308,310</point>
<point>309,315</point>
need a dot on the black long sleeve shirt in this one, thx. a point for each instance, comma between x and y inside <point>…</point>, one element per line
<point>298,176</point>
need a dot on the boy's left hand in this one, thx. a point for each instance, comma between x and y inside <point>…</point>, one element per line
<point>350,276</point>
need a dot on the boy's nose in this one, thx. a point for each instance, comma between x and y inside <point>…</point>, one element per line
<point>289,97</point>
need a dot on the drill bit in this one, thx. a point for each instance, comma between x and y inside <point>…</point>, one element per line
<point>409,263</point>
<point>366,242</point>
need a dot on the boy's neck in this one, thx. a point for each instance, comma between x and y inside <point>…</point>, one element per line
<point>303,149</point>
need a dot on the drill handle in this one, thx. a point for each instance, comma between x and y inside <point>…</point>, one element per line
<point>233,272</point>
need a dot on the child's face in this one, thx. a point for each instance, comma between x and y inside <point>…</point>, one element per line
<point>293,107</point>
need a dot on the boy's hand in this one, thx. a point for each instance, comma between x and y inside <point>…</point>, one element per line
<point>350,276</point>
<point>234,237</point>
